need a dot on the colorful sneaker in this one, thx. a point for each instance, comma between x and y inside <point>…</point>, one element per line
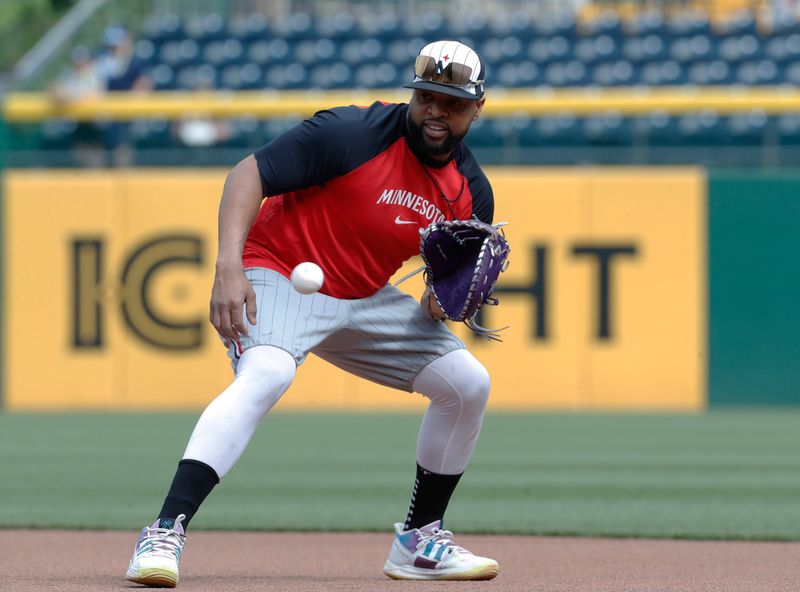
<point>429,553</point>
<point>157,554</point>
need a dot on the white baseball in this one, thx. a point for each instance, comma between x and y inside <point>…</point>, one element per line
<point>307,277</point>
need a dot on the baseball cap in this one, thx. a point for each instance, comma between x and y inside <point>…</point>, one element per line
<point>449,67</point>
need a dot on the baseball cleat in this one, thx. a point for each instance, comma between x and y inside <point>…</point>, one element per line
<point>429,553</point>
<point>157,554</point>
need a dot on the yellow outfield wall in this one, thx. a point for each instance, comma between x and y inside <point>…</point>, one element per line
<point>107,277</point>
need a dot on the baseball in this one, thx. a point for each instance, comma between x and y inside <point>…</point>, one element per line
<point>307,277</point>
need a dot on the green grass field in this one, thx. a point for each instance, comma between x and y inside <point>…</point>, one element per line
<point>725,474</point>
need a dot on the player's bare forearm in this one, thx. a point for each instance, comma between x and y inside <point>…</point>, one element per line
<point>241,198</point>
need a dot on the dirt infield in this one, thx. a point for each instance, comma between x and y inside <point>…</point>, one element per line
<point>96,561</point>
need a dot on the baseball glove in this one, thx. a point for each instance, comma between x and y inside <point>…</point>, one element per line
<point>463,259</point>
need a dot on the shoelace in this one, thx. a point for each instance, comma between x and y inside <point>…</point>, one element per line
<point>161,541</point>
<point>444,537</point>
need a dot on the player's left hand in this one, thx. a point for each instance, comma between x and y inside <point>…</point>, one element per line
<point>430,307</point>
<point>463,260</point>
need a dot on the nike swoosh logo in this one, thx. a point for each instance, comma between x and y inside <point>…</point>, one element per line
<point>399,220</point>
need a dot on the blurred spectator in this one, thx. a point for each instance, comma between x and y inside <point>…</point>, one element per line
<point>202,132</point>
<point>81,81</point>
<point>197,130</point>
<point>125,72</point>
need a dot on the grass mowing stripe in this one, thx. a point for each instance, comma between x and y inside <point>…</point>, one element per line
<point>724,474</point>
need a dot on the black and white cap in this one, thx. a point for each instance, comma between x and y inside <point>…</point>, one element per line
<point>449,67</point>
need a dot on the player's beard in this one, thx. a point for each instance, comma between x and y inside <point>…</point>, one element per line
<point>421,144</point>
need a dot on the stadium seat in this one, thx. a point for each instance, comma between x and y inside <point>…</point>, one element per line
<point>662,73</point>
<point>741,24</point>
<point>602,48</point>
<point>572,73</point>
<point>57,134</point>
<point>474,24</point>
<point>296,26</point>
<point>514,24</point>
<point>649,47</point>
<point>387,26</point>
<point>223,52</point>
<point>186,78</point>
<point>561,25</point>
<point>608,24</point>
<point>659,128</point>
<point>340,26</point>
<point>337,75</point>
<point>748,129</point>
<point>378,76</point>
<point>685,24</point>
<point>693,48</point>
<point>208,27</point>
<point>268,52</point>
<point>616,73</point>
<point>703,128</point>
<point>760,72</point>
<point>361,51</point>
<point>705,73</point>
<point>180,52</point>
<point>791,47</point>
<point>608,129</point>
<point>648,23</point>
<point>248,27</point>
<point>550,49</point>
<point>740,48</point>
<point>316,51</point>
<point>164,27</point>
<point>501,50</point>
<point>559,130</point>
<point>163,77</point>
<point>286,76</point>
<point>792,74</point>
<point>245,132</point>
<point>484,133</point>
<point>145,50</point>
<point>430,24</point>
<point>508,129</point>
<point>787,127</point>
<point>401,52</point>
<point>515,74</point>
<point>151,133</point>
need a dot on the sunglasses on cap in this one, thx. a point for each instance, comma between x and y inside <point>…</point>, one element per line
<point>453,74</point>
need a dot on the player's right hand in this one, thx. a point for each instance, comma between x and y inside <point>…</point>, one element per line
<point>232,291</point>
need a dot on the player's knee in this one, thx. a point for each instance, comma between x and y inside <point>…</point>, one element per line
<point>267,373</point>
<point>474,386</point>
<point>456,379</point>
<point>269,376</point>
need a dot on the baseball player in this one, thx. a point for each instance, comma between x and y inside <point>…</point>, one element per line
<point>347,189</point>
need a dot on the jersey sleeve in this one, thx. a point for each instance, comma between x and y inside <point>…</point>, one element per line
<point>329,144</point>
<point>479,187</point>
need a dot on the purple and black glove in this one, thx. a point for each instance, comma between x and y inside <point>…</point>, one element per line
<point>463,259</point>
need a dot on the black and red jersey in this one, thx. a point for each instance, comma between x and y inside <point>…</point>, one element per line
<point>347,192</point>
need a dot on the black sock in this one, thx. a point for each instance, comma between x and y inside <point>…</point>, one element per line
<point>430,497</point>
<point>193,481</point>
